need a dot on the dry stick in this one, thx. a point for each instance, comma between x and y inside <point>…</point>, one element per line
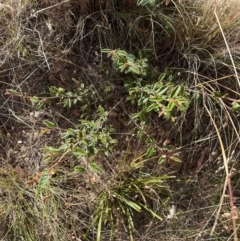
<point>233,208</point>
<point>225,166</point>
<point>52,6</point>
<point>42,47</point>
<point>229,52</point>
<point>227,182</point>
<point>200,161</point>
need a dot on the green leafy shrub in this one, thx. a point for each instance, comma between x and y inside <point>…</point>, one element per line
<point>88,139</point>
<point>80,94</point>
<point>164,98</point>
<point>127,63</point>
<point>161,96</point>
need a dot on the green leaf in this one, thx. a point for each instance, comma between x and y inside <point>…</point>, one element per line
<point>150,151</point>
<point>161,160</point>
<point>152,212</point>
<point>71,132</point>
<point>34,99</point>
<point>60,90</point>
<point>106,50</point>
<point>176,159</point>
<point>64,147</point>
<point>43,182</point>
<point>95,168</point>
<point>113,141</point>
<point>79,152</point>
<point>49,123</point>
<point>134,69</point>
<point>161,77</point>
<point>144,101</point>
<point>67,103</point>
<point>79,169</point>
<point>75,80</point>
<point>217,94</point>
<point>170,78</point>
<point>69,94</point>
<point>122,53</point>
<point>176,91</point>
<point>99,227</point>
<point>170,106</point>
<point>52,149</point>
<point>236,107</point>
<point>132,205</point>
<point>196,96</point>
<point>157,100</point>
<point>92,150</point>
<point>154,180</point>
<point>163,91</point>
<point>40,105</point>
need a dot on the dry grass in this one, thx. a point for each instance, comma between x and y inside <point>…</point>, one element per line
<point>47,43</point>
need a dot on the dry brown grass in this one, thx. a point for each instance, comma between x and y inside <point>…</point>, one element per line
<point>49,42</point>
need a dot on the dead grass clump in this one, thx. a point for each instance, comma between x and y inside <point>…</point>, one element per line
<point>201,40</point>
<point>43,212</point>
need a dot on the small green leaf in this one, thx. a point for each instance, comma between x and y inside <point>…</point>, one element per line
<point>71,132</point>
<point>79,169</point>
<point>163,90</point>
<point>236,107</point>
<point>34,99</point>
<point>162,77</point>
<point>176,159</point>
<point>69,94</point>
<point>176,91</point>
<point>217,94</point>
<point>75,80</point>
<point>43,182</point>
<point>161,160</point>
<point>99,227</point>
<point>150,151</point>
<point>152,212</point>
<point>67,103</point>
<point>52,149</point>
<point>64,147</point>
<point>134,69</point>
<point>60,90</point>
<point>95,168</point>
<point>79,152</point>
<point>122,53</point>
<point>156,99</point>
<point>133,205</point>
<point>49,123</point>
<point>92,150</point>
<point>106,50</point>
<point>153,106</point>
<point>113,141</point>
<point>145,100</point>
<point>170,106</point>
<point>196,96</point>
<point>40,105</point>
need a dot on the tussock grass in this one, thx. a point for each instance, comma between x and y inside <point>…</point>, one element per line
<point>46,213</point>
